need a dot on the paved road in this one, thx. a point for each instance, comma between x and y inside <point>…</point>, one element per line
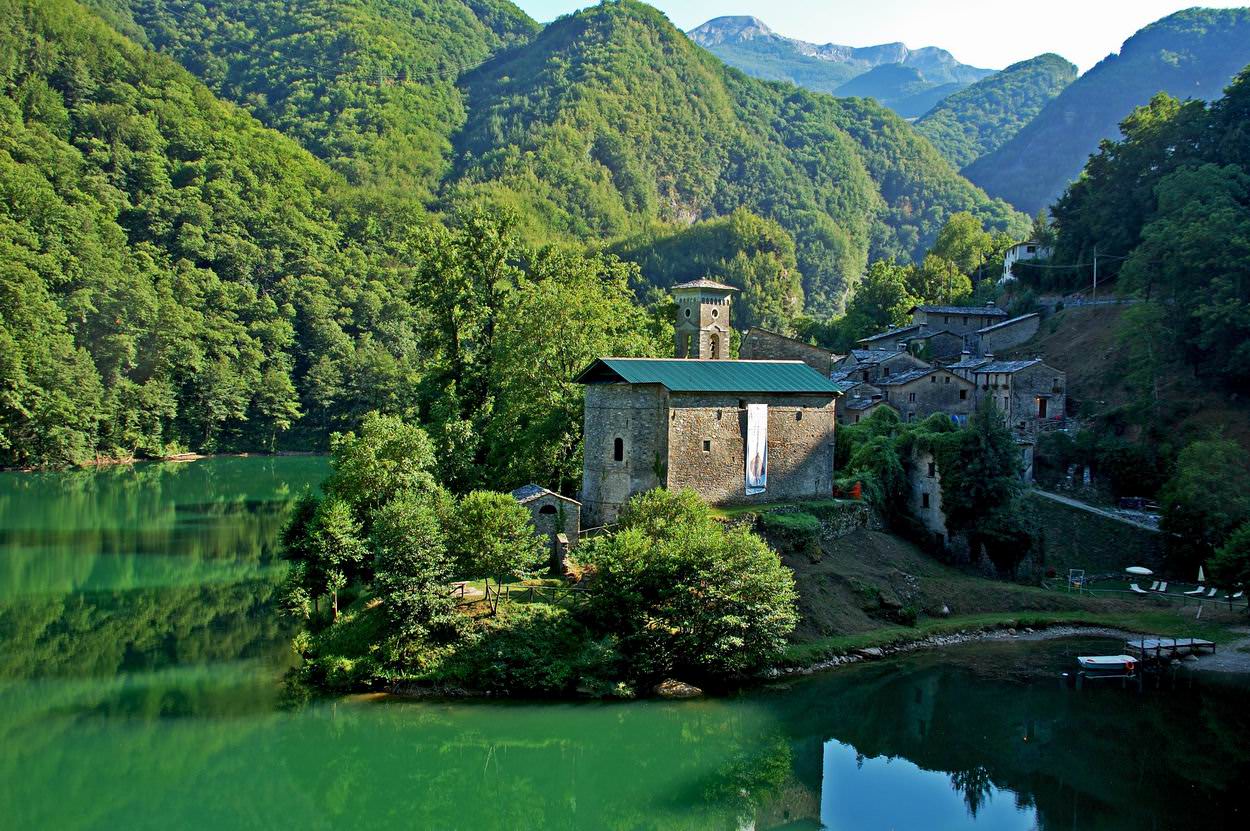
<point>1084,506</point>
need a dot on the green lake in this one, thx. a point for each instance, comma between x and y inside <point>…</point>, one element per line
<point>140,687</point>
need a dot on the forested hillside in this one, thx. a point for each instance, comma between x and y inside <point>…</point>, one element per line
<point>1191,54</point>
<point>369,86</point>
<point>1174,195</point>
<point>179,277</point>
<point>981,118</point>
<point>611,120</point>
<point>183,278</point>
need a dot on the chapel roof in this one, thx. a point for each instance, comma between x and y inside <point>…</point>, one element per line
<point>688,375</point>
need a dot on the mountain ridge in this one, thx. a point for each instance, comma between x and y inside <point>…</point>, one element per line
<point>1192,53</point>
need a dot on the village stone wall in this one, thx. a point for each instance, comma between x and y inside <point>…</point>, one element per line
<point>939,345</point>
<point>707,445</point>
<point>1014,332</point>
<point>1068,537</point>
<point>636,415</point>
<point>961,323</point>
<point>763,345</point>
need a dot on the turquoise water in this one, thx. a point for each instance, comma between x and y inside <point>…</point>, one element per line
<point>140,667</point>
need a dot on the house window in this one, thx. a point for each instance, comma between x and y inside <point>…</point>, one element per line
<point>963,395</point>
<point>911,397</point>
<point>885,370</point>
<point>707,445</point>
<point>1041,407</point>
<point>798,415</point>
<point>946,319</point>
<point>865,374</point>
<point>924,501</point>
<point>1005,405</point>
<point>1032,249</point>
<point>857,419</point>
<point>946,379</point>
<point>932,469</point>
<point>547,509</point>
<point>887,395</point>
<point>714,347</point>
<point>618,450</point>
<point>932,379</point>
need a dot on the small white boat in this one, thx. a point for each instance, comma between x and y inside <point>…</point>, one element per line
<point>1107,663</point>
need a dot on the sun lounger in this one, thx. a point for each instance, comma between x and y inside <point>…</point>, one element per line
<point>1154,587</point>
<point>1199,590</point>
<point>1163,587</point>
<point>1236,596</point>
<point>1213,593</point>
<point>1136,589</point>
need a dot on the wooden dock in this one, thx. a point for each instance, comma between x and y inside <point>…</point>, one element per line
<point>1160,648</point>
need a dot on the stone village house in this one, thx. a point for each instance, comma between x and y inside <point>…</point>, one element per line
<point>686,422</point>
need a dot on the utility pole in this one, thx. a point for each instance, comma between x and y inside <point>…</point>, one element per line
<point>1095,273</point>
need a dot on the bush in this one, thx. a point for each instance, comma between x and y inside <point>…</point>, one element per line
<point>687,595</point>
<point>532,648</point>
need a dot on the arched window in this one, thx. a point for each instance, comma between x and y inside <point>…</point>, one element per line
<point>714,347</point>
<point>547,509</point>
<point>618,450</point>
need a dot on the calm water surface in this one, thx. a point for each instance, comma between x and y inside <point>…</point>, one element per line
<point>139,688</point>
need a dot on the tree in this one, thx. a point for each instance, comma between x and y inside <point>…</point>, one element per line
<point>336,553</point>
<point>882,299</point>
<point>938,280</point>
<point>980,467</point>
<point>1231,563</point>
<point>492,536</point>
<point>411,568</point>
<point>387,457</point>
<point>964,242</point>
<point>685,594</point>
<point>1207,498</point>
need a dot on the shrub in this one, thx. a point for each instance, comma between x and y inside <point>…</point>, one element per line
<point>794,533</point>
<point>687,595</point>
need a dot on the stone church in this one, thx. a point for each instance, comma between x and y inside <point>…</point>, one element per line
<point>733,431</point>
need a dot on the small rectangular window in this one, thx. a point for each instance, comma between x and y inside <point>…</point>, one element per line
<point>932,379</point>
<point>963,395</point>
<point>707,445</point>
<point>932,469</point>
<point>946,379</point>
<point>911,397</point>
<point>924,500</point>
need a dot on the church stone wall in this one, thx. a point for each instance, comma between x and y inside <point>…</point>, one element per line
<point>763,345</point>
<point>800,446</point>
<point>636,416</point>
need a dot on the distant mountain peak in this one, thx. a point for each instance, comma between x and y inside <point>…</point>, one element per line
<point>730,28</point>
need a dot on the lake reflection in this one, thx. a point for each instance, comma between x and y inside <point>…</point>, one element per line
<point>140,666</point>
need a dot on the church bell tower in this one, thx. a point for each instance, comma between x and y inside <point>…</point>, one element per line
<point>702,328</point>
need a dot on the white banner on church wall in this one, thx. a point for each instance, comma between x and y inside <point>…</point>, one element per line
<point>757,449</point>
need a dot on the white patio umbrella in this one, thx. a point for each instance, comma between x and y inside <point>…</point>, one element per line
<point>1202,578</point>
<point>1140,571</point>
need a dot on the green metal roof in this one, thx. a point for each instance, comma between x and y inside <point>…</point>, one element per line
<point>689,375</point>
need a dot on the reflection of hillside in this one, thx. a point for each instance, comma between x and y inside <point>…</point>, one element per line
<point>102,634</point>
<point>1112,758</point>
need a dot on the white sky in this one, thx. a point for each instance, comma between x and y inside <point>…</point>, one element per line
<point>986,33</point>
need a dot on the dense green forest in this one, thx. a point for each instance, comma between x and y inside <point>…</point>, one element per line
<point>1190,54</point>
<point>979,119</point>
<point>1170,202</point>
<point>180,277</point>
<point>369,86</point>
<point>607,125</point>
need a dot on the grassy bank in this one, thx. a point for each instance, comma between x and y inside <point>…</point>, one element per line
<point>1148,623</point>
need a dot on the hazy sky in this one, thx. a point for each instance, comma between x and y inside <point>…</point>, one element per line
<point>987,33</point>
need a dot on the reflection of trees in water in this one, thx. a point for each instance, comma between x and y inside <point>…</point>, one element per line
<point>975,787</point>
<point>1101,753</point>
<point>145,526</point>
<point>103,634</point>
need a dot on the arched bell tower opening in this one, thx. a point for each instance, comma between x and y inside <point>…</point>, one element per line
<point>703,319</point>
